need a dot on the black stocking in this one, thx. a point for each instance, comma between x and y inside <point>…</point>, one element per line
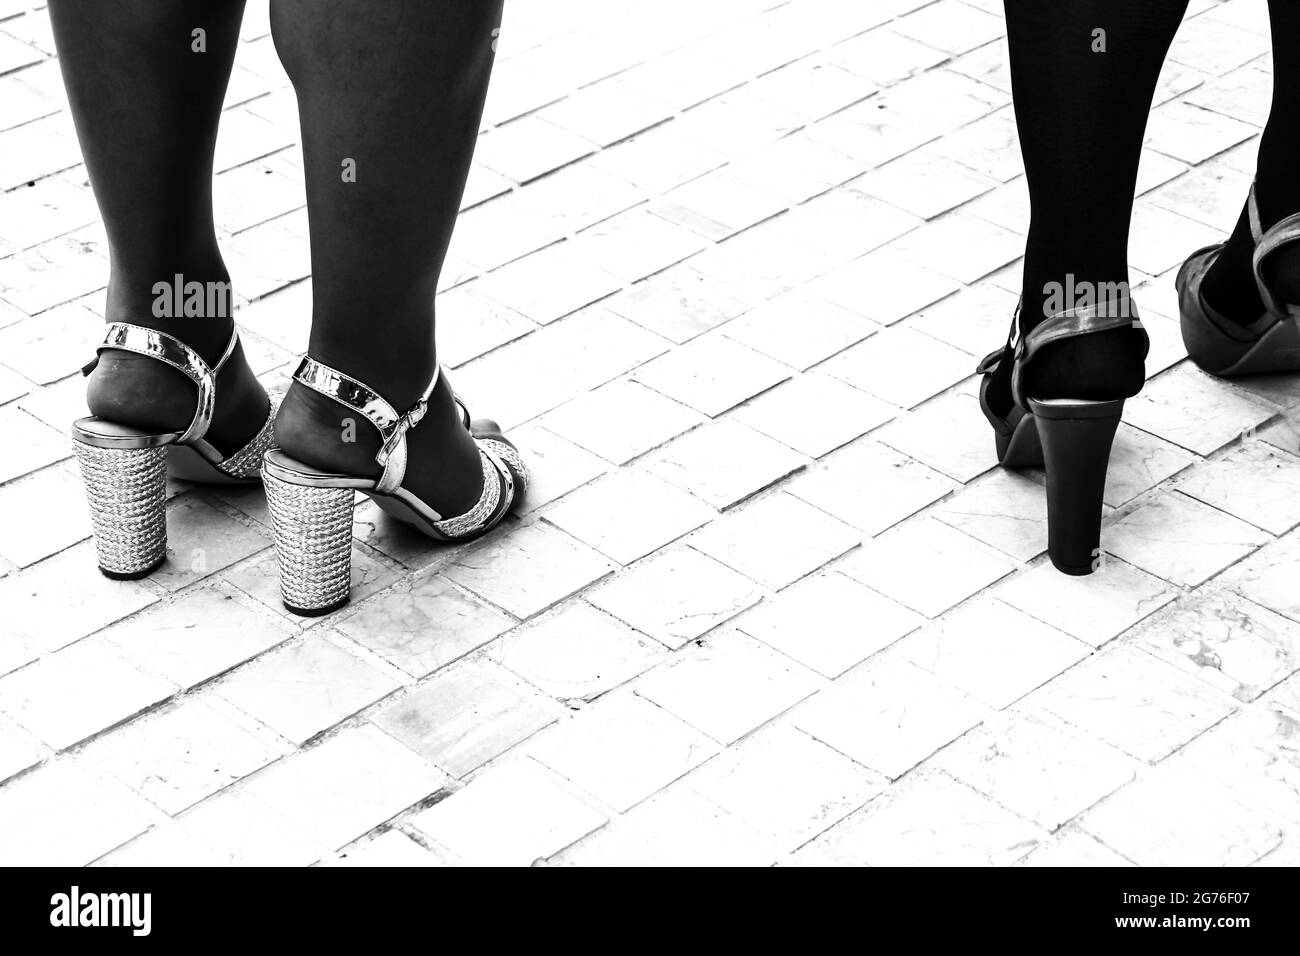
<point>1083,75</point>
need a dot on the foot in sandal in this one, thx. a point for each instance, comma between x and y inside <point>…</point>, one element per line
<point>311,497</point>
<point>146,425</point>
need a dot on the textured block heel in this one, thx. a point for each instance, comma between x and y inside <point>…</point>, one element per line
<point>313,542</point>
<point>124,468</point>
<point>126,489</point>
<point>1076,439</point>
<point>312,509</point>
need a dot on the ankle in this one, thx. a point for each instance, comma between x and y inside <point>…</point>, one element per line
<point>1074,291</point>
<point>1230,287</point>
<point>384,341</point>
<point>196,307</point>
<point>442,456</point>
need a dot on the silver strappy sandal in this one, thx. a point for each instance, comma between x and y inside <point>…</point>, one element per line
<point>125,468</point>
<point>311,510</point>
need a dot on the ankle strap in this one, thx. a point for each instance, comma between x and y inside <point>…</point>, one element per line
<point>1101,317</point>
<point>1266,243</point>
<point>367,401</point>
<point>171,350</point>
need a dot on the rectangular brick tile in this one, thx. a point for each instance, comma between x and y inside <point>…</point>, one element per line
<point>676,596</point>
<point>723,462</point>
<point>232,828</point>
<point>1003,509</point>
<point>1135,702</point>
<point>31,444</point>
<point>77,692</point>
<point>467,715</point>
<point>1181,540</point>
<point>622,749</point>
<point>305,687</point>
<point>728,685</point>
<point>424,624</point>
<point>556,465</point>
<point>180,755</point>
<point>1038,768</point>
<point>1230,642</point>
<point>678,828</point>
<point>202,540</point>
<point>390,848</point>
<point>871,486</point>
<point>785,785</point>
<point>822,330</point>
<point>992,651</point>
<point>32,529</point>
<point>681,303</point>
<point>948,433</point>
<point>888,714</point>
<point>64,815</point>
<point>931,820</point>
<point>927,565</point>
<point>828,622</point>
<point>1096,608</point>
<point>576,652</point>
<point>627,514</point>
<point>545,286</point>
<point>348,785</point>
<point>1188,408</point>
<point>815,414</point>
<point>1151,822</point>
<point>203,633</point>
<point>1253,754</point>
<point>776,539</point>
<point>19,750</point>
<point>622,420</point>
<point>529,570</point>
<point>511,815</point>
<point>1255,484</point>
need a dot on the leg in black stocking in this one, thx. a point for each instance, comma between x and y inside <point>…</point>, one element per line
<point>1230,283</point>
<point>398,87</point>
<point>146,104</point>
<point>1083,77</point>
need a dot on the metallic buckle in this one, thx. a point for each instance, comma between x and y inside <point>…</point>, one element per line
<point>399,429</point>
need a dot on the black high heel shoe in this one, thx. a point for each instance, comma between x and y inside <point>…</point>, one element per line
<point>1222,347</point>
<point>1070,439</point>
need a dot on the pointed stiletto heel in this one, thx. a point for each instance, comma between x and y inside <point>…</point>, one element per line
<point>1071,439</point>
<point>1229,349</point>
<point>1076,441</point>
<point>311,510</point>
<point>125,468</point>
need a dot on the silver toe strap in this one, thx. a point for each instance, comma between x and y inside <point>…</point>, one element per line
<point>367,401</point>
<point>511,457</point>
<point>174,352</point>
<point>247,462</point>
<point>497,483</point>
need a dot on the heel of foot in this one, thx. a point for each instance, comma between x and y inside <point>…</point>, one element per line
<point>1100,367</point>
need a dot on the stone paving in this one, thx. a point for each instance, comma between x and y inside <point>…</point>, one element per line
<point>726,270</point>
